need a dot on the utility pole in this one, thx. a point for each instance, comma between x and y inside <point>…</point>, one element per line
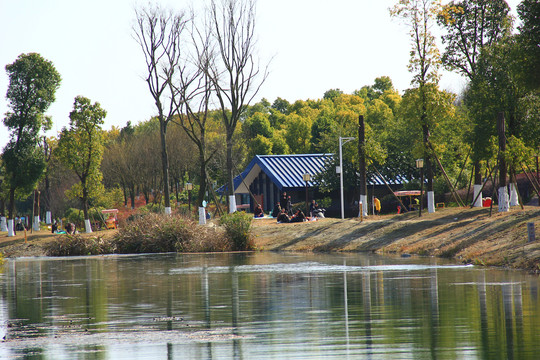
<point>362,166</point>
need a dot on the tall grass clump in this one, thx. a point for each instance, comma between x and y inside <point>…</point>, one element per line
<point>77,245</point>
<point>153,233</point>
<point>238,230</point>
<point>156,233</point>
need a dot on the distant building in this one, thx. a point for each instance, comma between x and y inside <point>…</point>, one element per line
<point>268,176</point>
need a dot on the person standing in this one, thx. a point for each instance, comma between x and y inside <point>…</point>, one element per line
<point>289,206</point>
<point>312,208</point>
<point>377,206</point>
<point>283,200</point>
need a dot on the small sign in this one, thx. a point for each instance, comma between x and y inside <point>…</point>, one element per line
<point>338,170</point>
<point>530,230</point>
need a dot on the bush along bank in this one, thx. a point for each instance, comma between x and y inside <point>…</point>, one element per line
<point>156,233</point>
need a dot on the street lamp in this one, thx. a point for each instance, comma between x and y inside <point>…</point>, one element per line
<point>340,171</point>
<point>189,187</point>
<point>307,178</point>
<point>420,165</point>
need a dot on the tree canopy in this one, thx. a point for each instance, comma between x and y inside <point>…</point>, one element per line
<point>33,82</point>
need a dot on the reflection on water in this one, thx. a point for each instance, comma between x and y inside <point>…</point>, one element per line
<point>265,306</point>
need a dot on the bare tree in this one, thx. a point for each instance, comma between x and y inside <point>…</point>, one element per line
<point>235,73</point>
<point>195,89</point>
<point>158,32</point>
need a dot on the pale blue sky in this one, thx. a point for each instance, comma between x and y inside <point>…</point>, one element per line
<point>316,45</point>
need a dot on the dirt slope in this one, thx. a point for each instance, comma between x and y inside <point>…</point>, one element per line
<point>469,235</point>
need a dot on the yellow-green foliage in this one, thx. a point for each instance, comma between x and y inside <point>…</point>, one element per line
<point>238,230</point>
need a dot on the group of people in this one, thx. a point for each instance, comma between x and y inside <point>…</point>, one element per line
<point>298,216</point>
<point>56,228</point>
<point>284,214</point>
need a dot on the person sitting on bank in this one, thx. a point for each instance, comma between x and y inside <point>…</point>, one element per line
<point>298,216</point>
<point>276,211</point>
<point>283,217</point>
<point>70,228</point>
<point>317,212</point>
<point>19,225</point>
<point>258,212</point>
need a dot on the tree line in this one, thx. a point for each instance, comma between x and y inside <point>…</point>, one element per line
<point>203,76</point>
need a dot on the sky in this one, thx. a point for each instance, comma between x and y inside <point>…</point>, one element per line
<point>311,46</point>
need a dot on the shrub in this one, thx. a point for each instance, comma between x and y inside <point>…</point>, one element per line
<point>238,230</point>
<point>152,233</point>
<point>75,216</point>
<point>168,233</point>
<point>325,203</point>
<point>74,245</point>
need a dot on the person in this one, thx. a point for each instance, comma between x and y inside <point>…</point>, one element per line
<point>312,208</point>
<point>54,226</point>
<point>283,200</point>
<point>283,217</point>
<point>298,216</point>
<point>70,228</point>
<point>258,212</point>
<point>377,206</point>
<point>318,212</point>
<point>276,211</point>
<point>289,206</point>
<point>19,226</point>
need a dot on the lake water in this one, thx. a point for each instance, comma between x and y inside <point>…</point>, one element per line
<point>265,306</point>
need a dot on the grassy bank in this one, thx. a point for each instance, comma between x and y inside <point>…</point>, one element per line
<point>148,233</point>
<point>467,235</point>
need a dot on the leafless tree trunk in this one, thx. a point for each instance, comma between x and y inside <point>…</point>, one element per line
<point>235,72</point>
<point>195,90</point>
<point>158,32</point>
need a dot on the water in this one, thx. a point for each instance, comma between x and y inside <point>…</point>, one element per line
<point>265,306</point>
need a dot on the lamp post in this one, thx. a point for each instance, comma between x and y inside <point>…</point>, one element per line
<point>189,187</point>
<point>307,178</point>
<point>341,143</point>
<point>420,165</point>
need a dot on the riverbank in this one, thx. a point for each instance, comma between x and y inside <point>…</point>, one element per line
<point>34,242</point>
<point>467,235</point>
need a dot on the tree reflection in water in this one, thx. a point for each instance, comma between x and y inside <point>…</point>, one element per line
<point>266,306</point>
